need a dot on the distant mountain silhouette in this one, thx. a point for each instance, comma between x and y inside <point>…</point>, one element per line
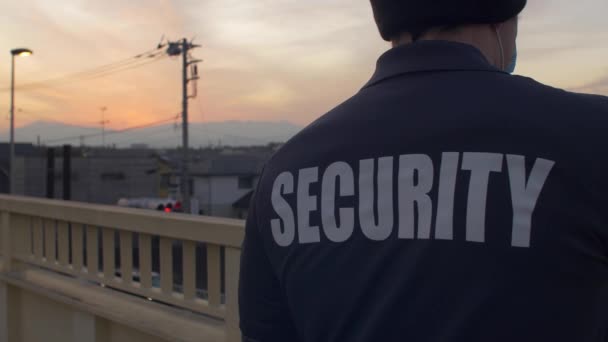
<point>227,133</point>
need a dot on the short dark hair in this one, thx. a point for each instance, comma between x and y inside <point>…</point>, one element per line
<point>419,32</point>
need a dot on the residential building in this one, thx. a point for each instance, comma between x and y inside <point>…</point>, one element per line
<point>223,179</point>
<point>100,176</point>
<point>224,185</point>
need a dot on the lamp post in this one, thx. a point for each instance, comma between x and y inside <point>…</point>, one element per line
<point>14,53</point>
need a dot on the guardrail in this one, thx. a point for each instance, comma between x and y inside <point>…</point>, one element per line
<point>130,250</point>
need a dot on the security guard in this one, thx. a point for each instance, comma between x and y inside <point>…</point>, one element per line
<point>446,201</point>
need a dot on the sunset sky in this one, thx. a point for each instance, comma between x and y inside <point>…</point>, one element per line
<point>279,60</point>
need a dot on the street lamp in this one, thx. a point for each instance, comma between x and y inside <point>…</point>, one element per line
<point>14,53</point>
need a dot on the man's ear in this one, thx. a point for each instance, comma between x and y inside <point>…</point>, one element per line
<point>496,27</point>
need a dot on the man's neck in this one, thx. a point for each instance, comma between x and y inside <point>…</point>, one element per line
<point>481,37</point>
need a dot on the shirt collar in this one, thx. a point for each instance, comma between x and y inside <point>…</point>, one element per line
<point>425,56</point>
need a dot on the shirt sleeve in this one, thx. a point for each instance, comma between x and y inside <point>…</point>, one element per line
<point>264,315</point>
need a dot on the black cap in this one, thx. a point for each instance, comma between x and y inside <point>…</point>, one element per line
<point>415,16</point>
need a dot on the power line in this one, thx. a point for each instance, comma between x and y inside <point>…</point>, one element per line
<point>128,129</point>
<point>100,68</point>
<point>152,124</point>
<point>257,140</point>
<point>64,82</point>
<point>150,133</point>
<point>153,137</point>
<point>148,53</point>
<point>97,72</point>
<point>89,77</point>
<point>154,58</point>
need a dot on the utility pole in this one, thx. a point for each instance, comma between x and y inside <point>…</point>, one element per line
<point>11,166</point>
<point>175,49</point>
<point>50,173</point>
<point>67,172</point>
<point>11,172</point>
<point>103,123</point>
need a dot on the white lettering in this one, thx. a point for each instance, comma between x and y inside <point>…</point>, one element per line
<point>334,232</point>
<point>444,226</point>
<point>525,196</point>
<point>306,205</point>
<point>414,193</point>
<point>284,235</point>
<point>480,165</point>
<point>367,219</point>
<point>410,183</point>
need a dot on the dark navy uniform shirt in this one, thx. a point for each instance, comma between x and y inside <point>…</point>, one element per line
<point>446,201</point>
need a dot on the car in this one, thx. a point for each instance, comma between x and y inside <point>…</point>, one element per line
<point>167,205</point>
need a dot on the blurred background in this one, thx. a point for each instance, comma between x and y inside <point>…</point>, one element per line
<point>103,80</point>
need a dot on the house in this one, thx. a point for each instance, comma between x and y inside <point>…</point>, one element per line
<point>100,176</point>
<point>26,167</point>
<point>224,182</point>
<point>105,175</point>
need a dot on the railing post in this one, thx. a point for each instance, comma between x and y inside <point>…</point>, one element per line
<point>233,262</point>
<point>214,273</point>
<point>4,312</point>
<point>86,327</point>
<point>7,246</point>
<point>8,305</point>
<point>9,313</point>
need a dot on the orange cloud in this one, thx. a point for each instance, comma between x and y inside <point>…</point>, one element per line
<point>282,60</point>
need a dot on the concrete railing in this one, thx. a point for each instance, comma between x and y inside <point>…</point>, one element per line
<point>171,260</point>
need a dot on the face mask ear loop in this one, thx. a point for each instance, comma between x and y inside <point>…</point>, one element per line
<point>500,47</point>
